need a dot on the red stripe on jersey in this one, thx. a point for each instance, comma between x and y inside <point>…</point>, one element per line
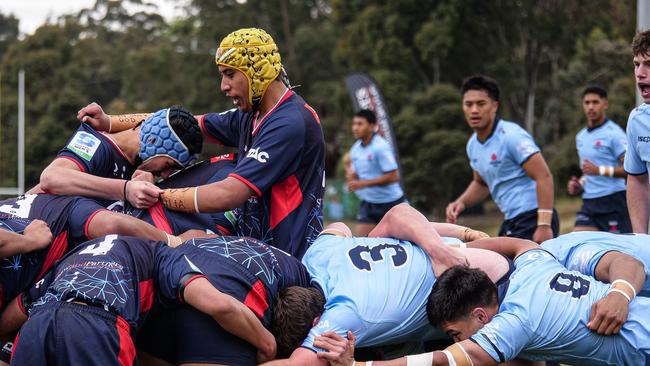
<point>184,285</point>
<point>223,230</point>
<point>57,249</point>
<point>286,196</point>
<point>215,159</point>
<point>253,187</point>
<point>256,299</point>
<point>207,133</point>
<point>127,348</point>
<point>313,112</point>
<point>287,94</point>
<point>90,218</point>
<point>14,347</point>
<point>159,218</point>
<point>81,167</point>
<point>117,148</point>
<point>146,295</point>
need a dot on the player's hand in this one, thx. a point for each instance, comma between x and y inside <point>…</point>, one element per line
<point>340,351</point>
<point>267,355</point>
<point>38,235</point>
<point>143,176</point>
<point>588,168</point>
<point>574,187</point>
<point>94,115</point>
<point>453,210</point>
<point>471,235</point>
<point>454,258</point>
<point>542,233</point>
<point>142,194</point>
<point>608,314</point>
<point>354,185</point>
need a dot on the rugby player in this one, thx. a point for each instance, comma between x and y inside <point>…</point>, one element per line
<point>277,187</point>
<point>377,287</point>
<point>637,156</point>
<point>601,148</point>
<point>100,165</point>
<point>545,314</point>
<point>98,296</point>
<point>508,165</point>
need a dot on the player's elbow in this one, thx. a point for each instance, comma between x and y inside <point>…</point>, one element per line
<point>50,181</point>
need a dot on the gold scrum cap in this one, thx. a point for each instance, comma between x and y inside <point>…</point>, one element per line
<point>253,52</point>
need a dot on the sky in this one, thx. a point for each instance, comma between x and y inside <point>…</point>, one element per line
<point>33,13</point>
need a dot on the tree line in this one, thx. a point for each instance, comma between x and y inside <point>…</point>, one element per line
<point>542,52</point>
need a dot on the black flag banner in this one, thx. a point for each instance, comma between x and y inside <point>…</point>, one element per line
<point>366,95</point>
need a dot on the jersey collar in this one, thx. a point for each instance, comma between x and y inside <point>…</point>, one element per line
<point>591,129</point>
<point>504,282</point>
<point>494,128</point>
<point>287,94</point>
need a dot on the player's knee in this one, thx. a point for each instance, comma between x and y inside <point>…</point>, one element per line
<point>294,312</point>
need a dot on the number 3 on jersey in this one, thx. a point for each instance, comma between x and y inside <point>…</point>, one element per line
<point>100,248</point>
<point>355,254</point>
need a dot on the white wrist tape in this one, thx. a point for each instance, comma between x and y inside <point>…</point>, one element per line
<point>615,284</point>
<point>423,359</point>
<point>620,292</point>
<point>450,358</point>
<point>196,202</point>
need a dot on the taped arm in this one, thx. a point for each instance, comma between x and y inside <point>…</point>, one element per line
<point>231,314</point>
<point>219,196</point>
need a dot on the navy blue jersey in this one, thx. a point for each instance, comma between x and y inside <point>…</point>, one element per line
<point>208,171</point>
<point>20,271</point>
<point>247,269</point>
<point>97,154</point>
<point>123,273</point>
<point>282,160</point>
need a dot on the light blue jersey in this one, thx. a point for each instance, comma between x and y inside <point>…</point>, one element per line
<point>602,145</point>
<point>544,316</point>
<point>637,157</point>
<point>581,251</point>
<point>373,161</point>
<point>498,161</point>
<point>375,287</point>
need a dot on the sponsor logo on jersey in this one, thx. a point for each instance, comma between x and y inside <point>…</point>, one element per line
<point>644,138</point>
<point>261,156</point>
<point>84,145</point>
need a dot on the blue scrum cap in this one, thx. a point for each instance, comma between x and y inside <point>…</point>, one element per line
<point>157,138</point>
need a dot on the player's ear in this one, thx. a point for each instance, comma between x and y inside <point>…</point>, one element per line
<point>316,320</point>
<point>481,315</point>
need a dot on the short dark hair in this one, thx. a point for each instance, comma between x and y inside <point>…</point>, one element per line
<point>368,115</point>
<point>641,43</point>
<point>481,82</point>
<point>294,311</point>
<point>595,89</point>
<point>457,291</point>
<point>186,128</point>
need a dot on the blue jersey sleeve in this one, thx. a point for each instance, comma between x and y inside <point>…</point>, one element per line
<point>224,128</point>
<point>337,319</point>
<point>385,158</point>
<point>619,143</point>
<point>174,270</point>
<point>272,156</point>
<point>520,145</point>
<point>504,337</point>
<point>633,163</point>
<point>88,151</point>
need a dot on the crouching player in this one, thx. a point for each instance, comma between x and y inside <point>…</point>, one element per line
<point>97,296</point>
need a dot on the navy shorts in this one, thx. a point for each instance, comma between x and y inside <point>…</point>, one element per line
<point>372,213</point>
<point>62,333</point>
<point>185,335</point>
<point>524,225</point>
<point>608,213</point>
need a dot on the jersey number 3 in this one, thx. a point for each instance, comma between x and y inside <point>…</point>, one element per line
<point>376,255</point>
<point>567,282</point>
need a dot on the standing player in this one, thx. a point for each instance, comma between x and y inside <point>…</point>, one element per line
<point>376,181</point>
<point>508,165</point>
<point>98,294</point>
<point>601,148</point>
<point>637,156</point>
<point>276,190</point>
<point>99,165</point>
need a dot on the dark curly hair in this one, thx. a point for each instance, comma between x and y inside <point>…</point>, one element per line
<point>294,311</point>
<point>641,43</point>
<point>481,82</point>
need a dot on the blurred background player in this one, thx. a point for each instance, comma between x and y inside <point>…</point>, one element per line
<point>508,165</point>
<point>376,175</point>
<point>637,156</point>
<point>601,148</point>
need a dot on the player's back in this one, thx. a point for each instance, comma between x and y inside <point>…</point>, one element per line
<point>553,305</point>
<point>384,283</point>
<point>582,251</point>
